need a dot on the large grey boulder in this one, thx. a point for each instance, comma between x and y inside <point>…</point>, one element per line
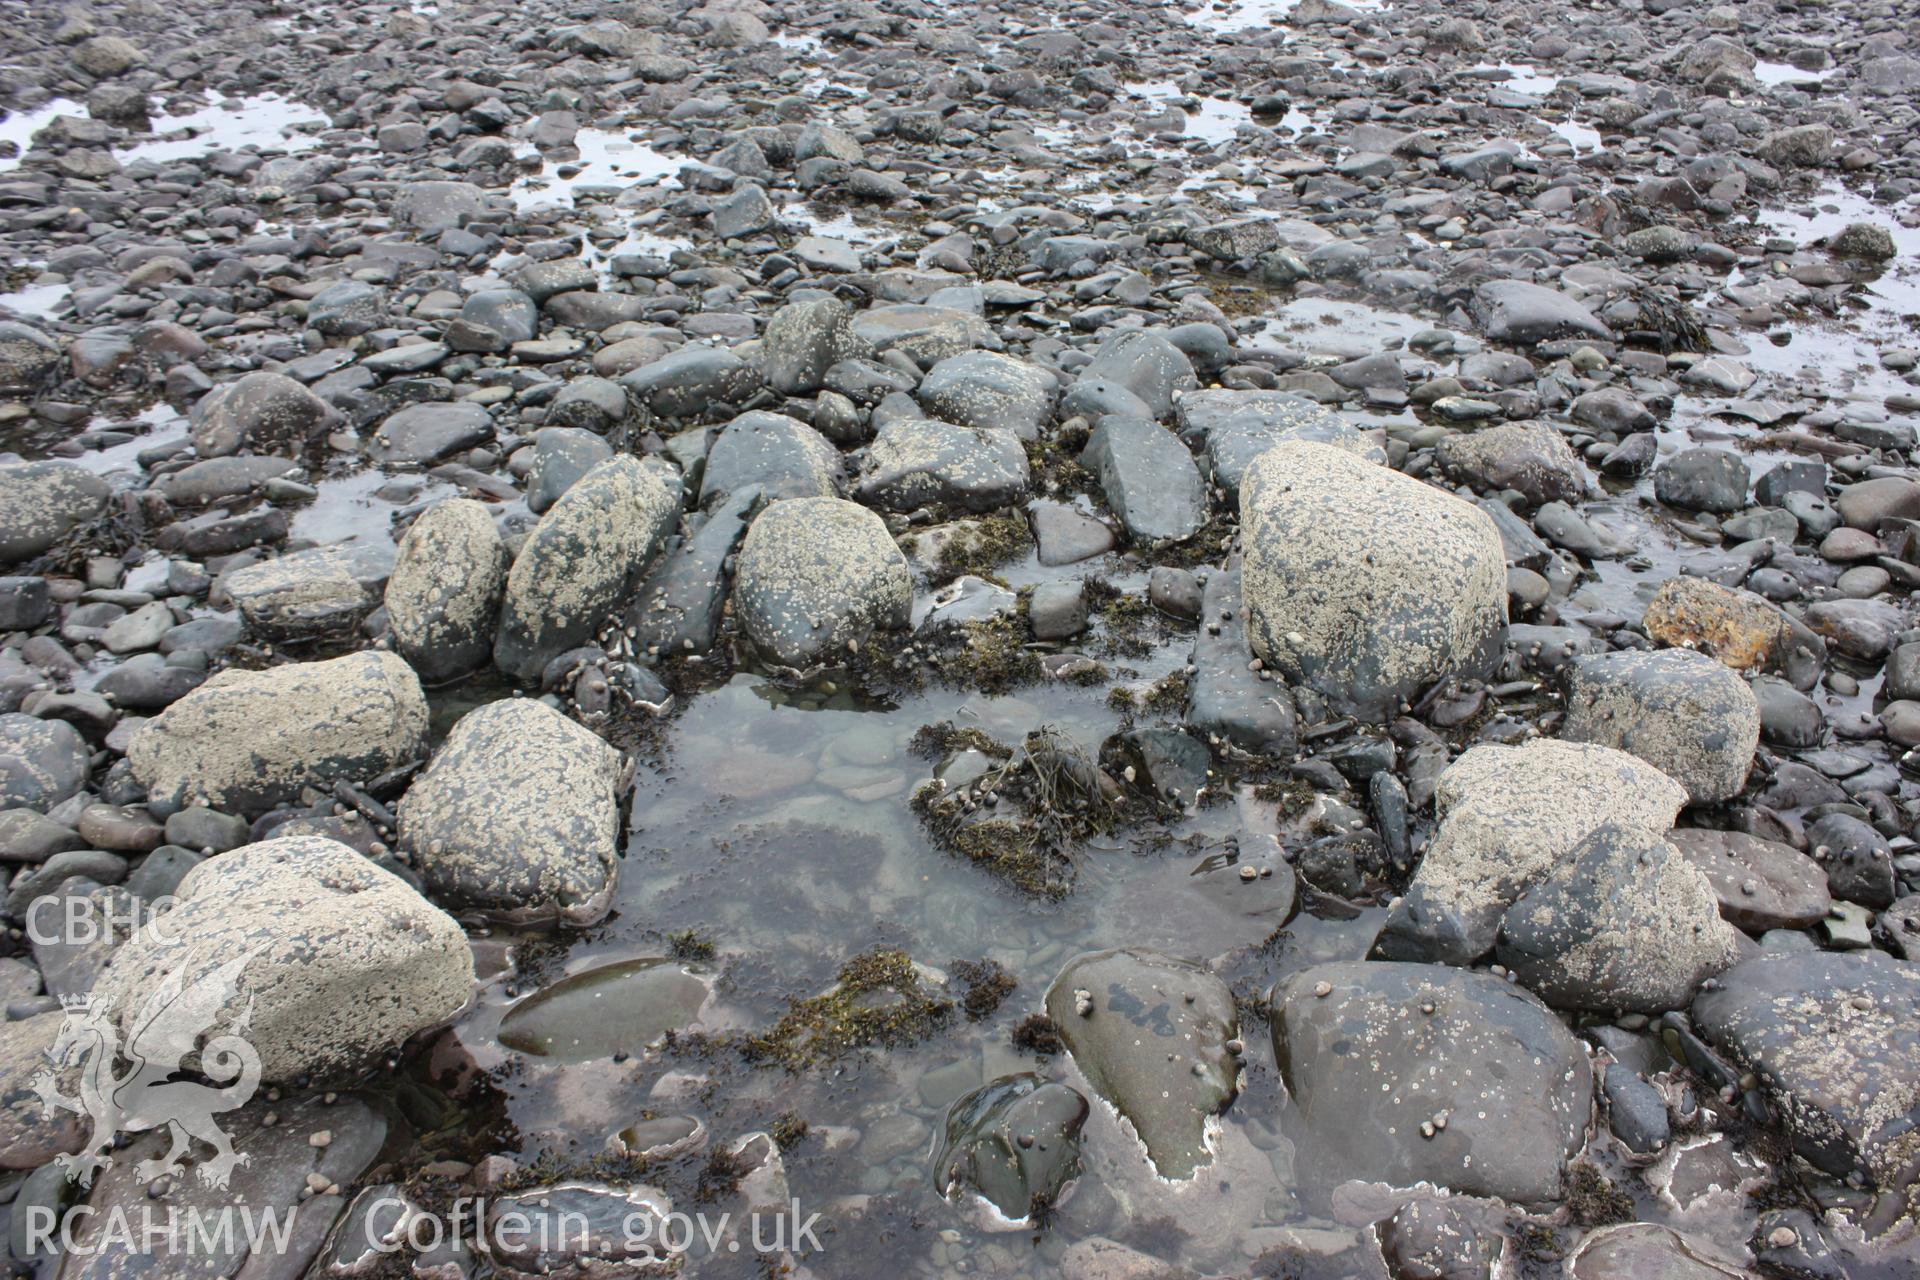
<point>263,412</point>
<point>1364,584</point>
<point>40,501</point>
<point>246,741</point>
<point>917,461</point>
<point>1407,1073</point>
<point>1149,479</point>
<point>576,568</point>
<point>1508,816</point>
<point>517,816</point>
<point>817,576</point>
<point>561,456</point>
<point>42,762</point>
<point>1684,713</point>
<point>1528,457</point>
<point>1150,1035</point>
<point>1233,428</point>
<point>986,389</point>
<point>1628,925</point>
<point>1834,1043</point>
<point>803,340</point>
<point>783,457</point>
<point>337,960</point>
<point>443,598</point>
<point>1523,313</point>
<point>307,595</point>
<point>1147,365</point>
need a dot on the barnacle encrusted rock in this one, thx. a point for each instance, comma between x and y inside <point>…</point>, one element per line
<point>1683,713</point>
<point>1630,925</point>
<point>246,741</point>
<point>1364,584</point>
<point>339,960</point>
<point>1833,1041</point>
<point>816,575</point>
<point>443,600</point>
<point>516,817</point>
<point>1508,816</point>
<point>986,389</point>
<point>1407,1073</point>
<point>307,594</point>
<point>580,562</point>
<point>39,501</point>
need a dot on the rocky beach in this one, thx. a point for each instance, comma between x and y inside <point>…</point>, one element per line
<point>1244,640</point>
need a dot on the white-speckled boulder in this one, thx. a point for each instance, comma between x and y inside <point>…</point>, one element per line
<point>1364,584</point>
<point>443,600</point>
<point>246,741</point>
<point>1507,817</point>
<point>986,389</point>
<point>580,562</point>
<point>516,817</point>
<point>816,576</point>
<point>39,501</point>
<point>1686,714</point>
<point>339,960</point>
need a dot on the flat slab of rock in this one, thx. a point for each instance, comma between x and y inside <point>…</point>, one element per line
<point>1364,584</point>
<point>1524,313</point>
<point>339,960</point>
<point>424,433</point>
<point>1760,884</point>
<point>1833,1038</point>
<point>918,461</point>
<point>1150,1033</point>
<point>1406,1073</point>
<point>516,816</point>
<point>1232,428</point>
<point>309,594</point>
<point>1225,698</point>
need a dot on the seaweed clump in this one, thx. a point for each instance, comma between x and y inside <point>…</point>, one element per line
<point>981,546</point>
<point>1037,1033</point>
<point>987,985</point>
<point>1024,819</point>
<point>878,1002</point>
<point>1593,1200</point>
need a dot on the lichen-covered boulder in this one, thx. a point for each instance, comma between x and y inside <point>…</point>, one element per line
<point>578,565</point>
<point>1364,584</point>
<point>986,389</point>
<point>1508,815</point>
<point>816,576</point>
<point>306,595</point>
<point>443,598</point>
<point>516,817</point>
<point>338,960</point>
<point>1682,712</point>
<point>246,741</point>
<point>40,501</point>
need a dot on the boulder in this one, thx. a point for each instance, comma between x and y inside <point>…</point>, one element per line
<point>1147,365</point>
<point>692,381</point>
<point>1015,1142</point>
<point>1149,479</point>
<point>781,456</point>
<point>1628,924</point>
<point>262,412</point>
<point>42,762</point>
<point>1508,816</point>
<point>1682,712</point>
<point>803,340</point>
<point>1523,313</point>
<point>421,434</point>
<point>443,598</point>
<point>561,455</point>
<point>576,568</point>
<point>1407,1073</point>
<point>925,335</point>
<point>1233,428</point>
<point>1833,1040</point>
<point>1761,884</point>
<point>40,502</point>
<point>246,741</point>
<point>332,962</point>
<point>815,577</point>
<point>986,389</point>
<point>517,816</point>
<point>1528,457</point>
<point>307,595</point>
<point>1364,584</point>
<point>1150,1035</point>
<point>915,462</point>
<point>1741,629</point>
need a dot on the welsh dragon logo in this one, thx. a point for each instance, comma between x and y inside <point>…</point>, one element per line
<point>146,1095</point>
